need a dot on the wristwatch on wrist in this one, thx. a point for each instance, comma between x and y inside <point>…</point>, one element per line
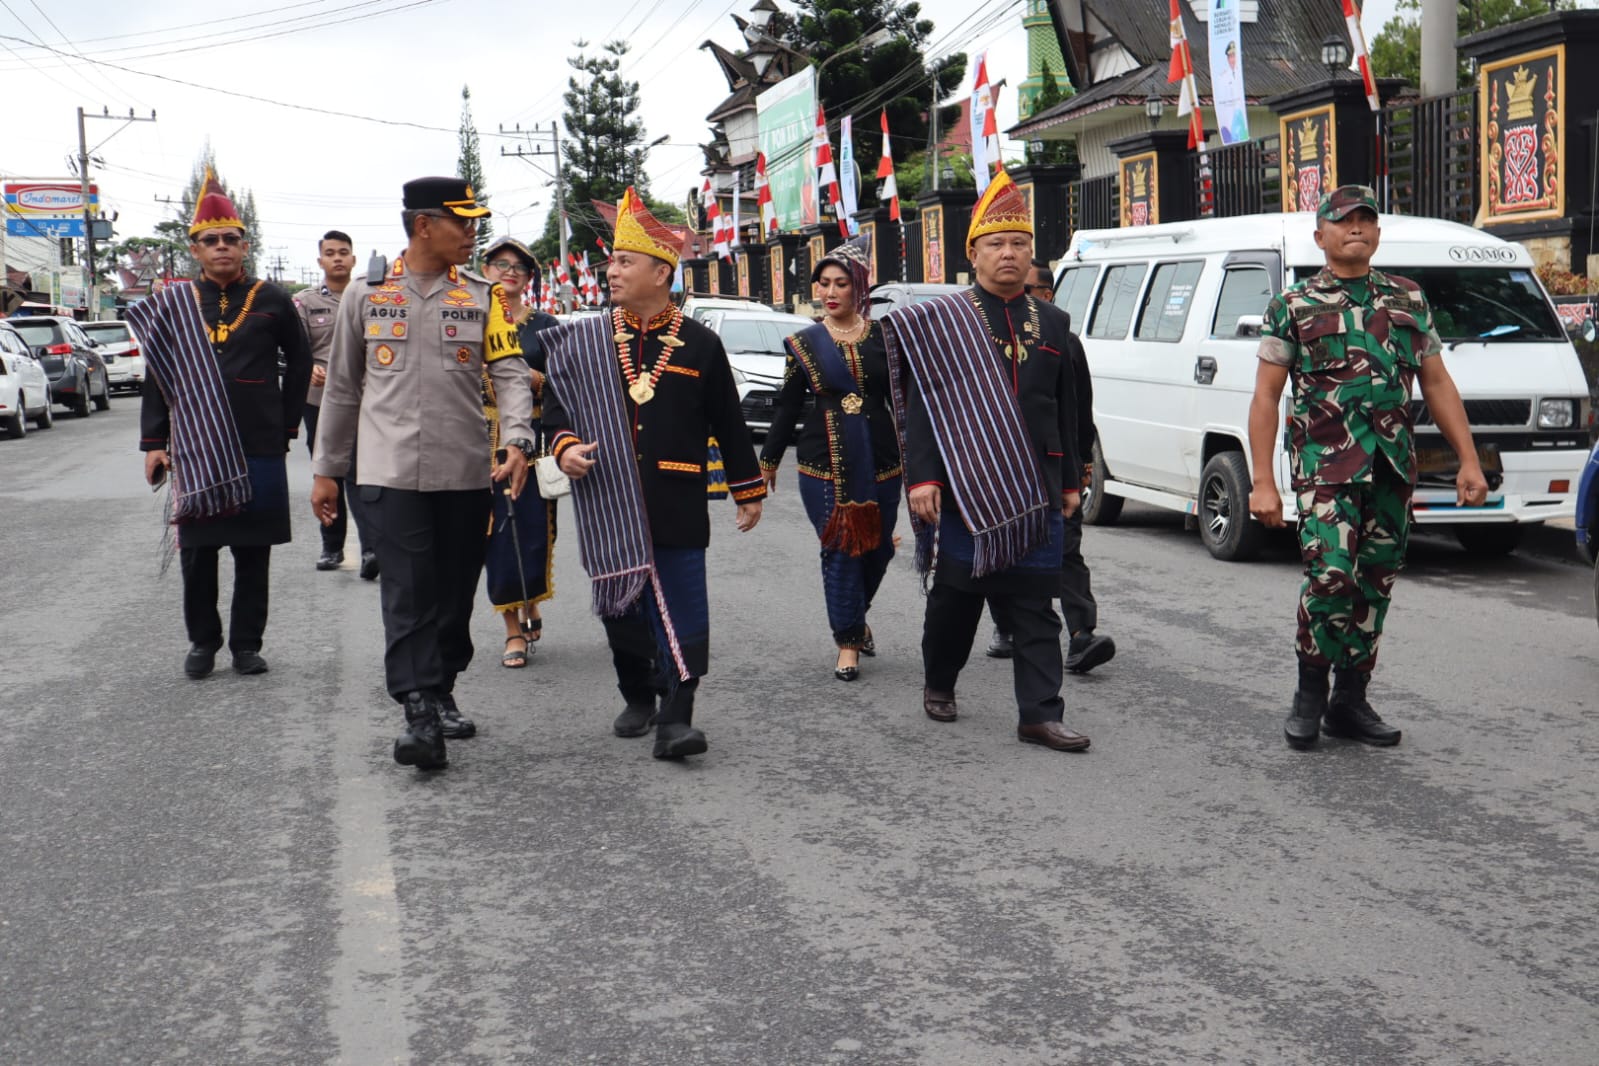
<point>523,445</point>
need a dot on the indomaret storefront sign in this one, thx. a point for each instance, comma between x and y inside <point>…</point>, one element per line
<point>1524,134</point>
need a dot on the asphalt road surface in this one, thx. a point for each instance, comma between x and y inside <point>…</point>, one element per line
<point>234,871</point>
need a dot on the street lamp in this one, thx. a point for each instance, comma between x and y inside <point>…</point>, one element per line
<point>1334,54</point>
<point>1153,107</point>
<point>1037,145</point>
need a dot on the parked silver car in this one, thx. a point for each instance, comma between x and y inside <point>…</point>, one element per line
<point>24,389</point>
<point>119,347</point>
<point>754,343</point>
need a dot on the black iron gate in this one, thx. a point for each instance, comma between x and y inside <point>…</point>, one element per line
<point>1430,156</point>
<point>1246,178</point>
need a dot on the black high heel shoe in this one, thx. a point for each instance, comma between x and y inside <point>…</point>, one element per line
<point>869,646</point>
<point>846,673</point>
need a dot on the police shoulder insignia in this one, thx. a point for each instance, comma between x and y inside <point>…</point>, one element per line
<point>463,355</point>
<point>385,355</point>
<point>374,330</point>
<point>398,329</point>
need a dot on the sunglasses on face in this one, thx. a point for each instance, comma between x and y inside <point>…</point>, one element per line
<point>211,240</point>
<point>467,224</point>
<point>509,266</point>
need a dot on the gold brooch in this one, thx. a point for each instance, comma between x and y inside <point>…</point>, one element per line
<point>851,404</point>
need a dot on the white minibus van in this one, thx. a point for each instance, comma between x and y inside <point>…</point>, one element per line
<point>1170,318</point>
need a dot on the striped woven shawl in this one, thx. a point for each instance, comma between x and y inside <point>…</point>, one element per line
<point>613,529</point>
<point>209,475</point>
<point>977,425</point>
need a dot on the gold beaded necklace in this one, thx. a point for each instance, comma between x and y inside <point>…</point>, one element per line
<point>639,386</point>
<point>220,332</point>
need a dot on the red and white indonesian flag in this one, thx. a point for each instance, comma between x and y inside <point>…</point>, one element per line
<point>885,174</point>
<point>829,175</point>
<point>713,216</point>
<point>763,196</point>
<point>984,127</point>
<point>1181,72</point>
<point>1362,61</point>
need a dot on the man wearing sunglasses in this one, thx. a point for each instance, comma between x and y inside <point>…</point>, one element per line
<point>410,349</point>
<point>220,423</point>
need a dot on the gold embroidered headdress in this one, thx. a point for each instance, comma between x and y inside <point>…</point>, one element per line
<point>638,231</point>
<point>1002,209</point>
<point>213,209</point>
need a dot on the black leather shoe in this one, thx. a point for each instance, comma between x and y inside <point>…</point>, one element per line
<point>1051,735</point>
<point>1000,646</point>
<point>451,724</point>
<point>330,560</point>
<point>1350,717</point>
<point>369,566</point>
<point>869,646</point>
<point>200,661</point>
<point>422,743</point>
<point>1088,650</point>
<point>846,673</point>
<point>249,662</point>
<point>1304,721</point>
<point>635,720</point>
<point>674,740</point>
<point>939,706</point>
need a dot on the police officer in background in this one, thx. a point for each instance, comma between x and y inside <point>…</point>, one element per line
<point>336,256</point>
<point>410,348</point>
<point>1352,340</point>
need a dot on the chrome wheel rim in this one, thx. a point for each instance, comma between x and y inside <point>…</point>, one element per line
<point>1217,505</point>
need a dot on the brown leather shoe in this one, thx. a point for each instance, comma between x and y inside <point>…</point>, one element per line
<point>940,706</point>
<point>1051,735</point>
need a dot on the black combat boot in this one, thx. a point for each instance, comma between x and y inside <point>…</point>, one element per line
<point>422,743</point>
<point>1349,715</point>
<point>1310,703</point>
<point>637,717</point>
<point>451,724</point>
<point>675,737</point>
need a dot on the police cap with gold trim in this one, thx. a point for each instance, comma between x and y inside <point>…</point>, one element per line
<point>454,195</point>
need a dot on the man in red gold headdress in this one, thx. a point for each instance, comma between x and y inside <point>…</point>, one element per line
<point>628,405</point>
<point>218,422</point>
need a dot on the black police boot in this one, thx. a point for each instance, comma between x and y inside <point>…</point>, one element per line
<point>369,565</point>
<point>675,736</point>
<point>330,560</point>
<point>1310,703</point>
<point>635,720</point>
<point>452,725</point>
<point>200,661</point>
<point>1000,645</point>
<point>1350,717</point>
<point>422,743</point>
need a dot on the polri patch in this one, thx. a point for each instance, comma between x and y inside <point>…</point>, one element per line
<point>449,331</point>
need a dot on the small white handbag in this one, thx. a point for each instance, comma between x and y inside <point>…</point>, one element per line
<point>553,482</point>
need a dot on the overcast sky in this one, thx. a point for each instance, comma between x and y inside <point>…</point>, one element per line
<point>402,62</point>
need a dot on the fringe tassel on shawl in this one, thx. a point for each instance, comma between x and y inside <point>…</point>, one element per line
<point>853,528</point>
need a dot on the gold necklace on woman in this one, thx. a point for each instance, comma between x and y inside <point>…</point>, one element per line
<point>220,332</point>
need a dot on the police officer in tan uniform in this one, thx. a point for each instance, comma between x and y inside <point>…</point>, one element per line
<point>318,306</point>
<point>410,348</point>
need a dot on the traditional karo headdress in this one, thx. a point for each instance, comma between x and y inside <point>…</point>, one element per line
<point>1002,209</point>
<point>638,231</point>
<point>854,257</point>
<point>213,209</point>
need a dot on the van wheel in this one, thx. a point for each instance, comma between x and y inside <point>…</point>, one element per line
<point>1100,508</point>
<point>1224,521</point>
<point>1488,541</point>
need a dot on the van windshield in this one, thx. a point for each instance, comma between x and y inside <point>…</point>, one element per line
<point>1481,303</point>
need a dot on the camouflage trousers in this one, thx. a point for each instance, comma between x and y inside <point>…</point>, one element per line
<point>1352,539</point>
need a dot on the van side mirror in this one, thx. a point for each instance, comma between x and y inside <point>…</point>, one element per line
<point>1249,325</point>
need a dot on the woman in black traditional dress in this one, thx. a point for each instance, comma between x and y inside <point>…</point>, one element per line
<point>847,452</point>
<point>510,263</point>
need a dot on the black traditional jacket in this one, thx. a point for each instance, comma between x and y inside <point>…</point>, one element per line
<point>868,359</point>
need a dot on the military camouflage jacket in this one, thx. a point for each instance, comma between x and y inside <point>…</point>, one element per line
<point>1352,364</point>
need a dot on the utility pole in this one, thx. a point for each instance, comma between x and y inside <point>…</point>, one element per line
<point>534,151</point>
<point>88,213</point>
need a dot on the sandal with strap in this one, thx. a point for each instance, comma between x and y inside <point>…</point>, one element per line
<point>535,628</point>
<point>515,660</point>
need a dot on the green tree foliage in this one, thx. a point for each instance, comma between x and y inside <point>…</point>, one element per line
<point>1050,94</point>
<point>470,167</point>
<point>1396,51</point>
<point>861,79</point>
<point>603,149</point>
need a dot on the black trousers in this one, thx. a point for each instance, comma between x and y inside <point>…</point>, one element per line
<point>1077,602</point>
<point>1076,587</point>
<point>950,625</point>
<point>639,677</point>
<point>430,548</point>
<point>248,617</point>
<point>349,503</point>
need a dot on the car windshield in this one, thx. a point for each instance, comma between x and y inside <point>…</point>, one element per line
<point>35,333</point>
<point>110,333</point>
<point>1483,303</point>
<point>751,335</point>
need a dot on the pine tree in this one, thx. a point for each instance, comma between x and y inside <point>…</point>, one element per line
<point>470,167</point>
<point>602,148</point>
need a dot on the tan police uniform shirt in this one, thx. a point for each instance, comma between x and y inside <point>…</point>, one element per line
<point>317,309</point>
<point>407,371</point>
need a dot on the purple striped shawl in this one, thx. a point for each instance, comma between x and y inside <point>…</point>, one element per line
<point>613,529</point>
<point>209,475</point>
<point>977,425</point>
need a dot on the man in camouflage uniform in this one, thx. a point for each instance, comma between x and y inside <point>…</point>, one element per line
<point>1353,340</point>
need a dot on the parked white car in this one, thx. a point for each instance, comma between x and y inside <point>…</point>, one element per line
<point>754,342</point>
<point>24,389</point>
<point>119,347</point>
